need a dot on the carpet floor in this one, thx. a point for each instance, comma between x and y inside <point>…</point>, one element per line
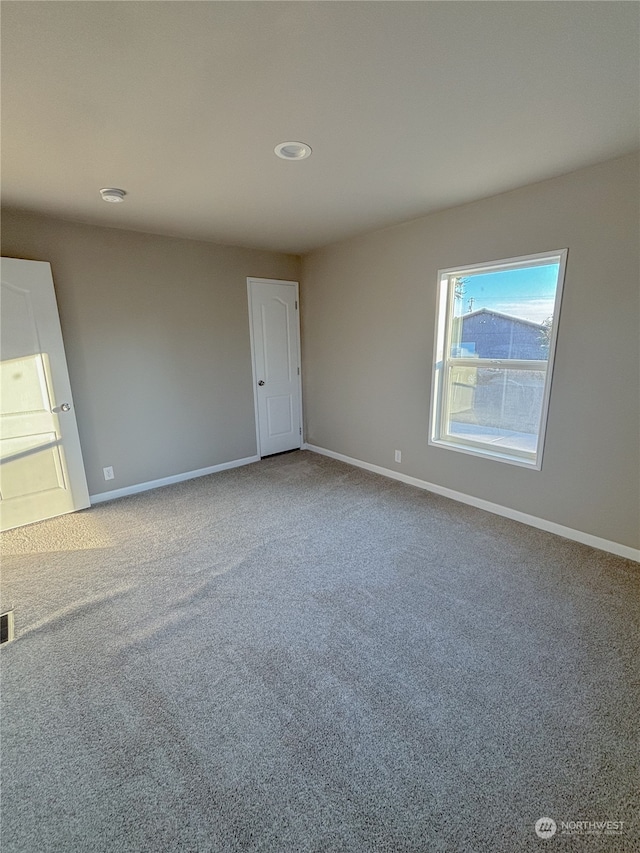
<point>300,655</point>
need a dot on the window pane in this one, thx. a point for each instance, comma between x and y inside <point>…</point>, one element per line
<point>500,407</point>
<point>504,314</point>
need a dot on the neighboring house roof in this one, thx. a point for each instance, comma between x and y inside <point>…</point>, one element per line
<point>503,316</point>
<point>493,334</point>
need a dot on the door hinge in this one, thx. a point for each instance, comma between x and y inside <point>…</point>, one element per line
<point>300,430</point>
<point>298,371</point>
<point>296,304</point>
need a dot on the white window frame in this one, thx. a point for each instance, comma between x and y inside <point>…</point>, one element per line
<point>439,417</point>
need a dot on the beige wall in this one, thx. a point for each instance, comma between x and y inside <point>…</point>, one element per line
<point>156,332</point>
<point>368,322</point>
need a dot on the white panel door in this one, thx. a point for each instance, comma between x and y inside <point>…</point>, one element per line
<point>275,341</point>
<point>41,468</point>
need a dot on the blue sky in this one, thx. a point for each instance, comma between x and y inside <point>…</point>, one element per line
<point>527,293</point>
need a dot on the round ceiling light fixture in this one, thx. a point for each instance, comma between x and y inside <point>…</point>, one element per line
<point>293,150</point>
<point>112,194</point>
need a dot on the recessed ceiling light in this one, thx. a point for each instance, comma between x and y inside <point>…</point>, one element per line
<point>112,194</point>
<point>293,150</point>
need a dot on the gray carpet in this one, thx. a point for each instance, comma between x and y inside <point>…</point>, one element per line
<point>302,656</point>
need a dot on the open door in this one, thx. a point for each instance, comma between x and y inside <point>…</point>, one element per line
<point>41,468</point>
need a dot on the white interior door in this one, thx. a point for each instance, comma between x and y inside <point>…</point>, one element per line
<point>41,468</point>
<point>275,344</point>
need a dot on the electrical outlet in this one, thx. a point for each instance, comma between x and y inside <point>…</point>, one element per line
<point>398,456</point>
<point>108,473</point>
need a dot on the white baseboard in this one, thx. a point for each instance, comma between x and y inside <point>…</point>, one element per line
<point>541,523</point>
<point>167,481</point>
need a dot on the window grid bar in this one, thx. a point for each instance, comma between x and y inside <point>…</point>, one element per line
<point>499,363</point>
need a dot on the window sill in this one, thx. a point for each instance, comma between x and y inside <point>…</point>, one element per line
<point>491,451</point>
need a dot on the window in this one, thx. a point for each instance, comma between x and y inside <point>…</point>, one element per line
<point>495,339</point>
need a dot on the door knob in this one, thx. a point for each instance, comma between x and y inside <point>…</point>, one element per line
<point>261,382</point>
<point>65,407</point>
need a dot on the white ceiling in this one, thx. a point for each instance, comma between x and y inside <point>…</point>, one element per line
<point>409,107</point>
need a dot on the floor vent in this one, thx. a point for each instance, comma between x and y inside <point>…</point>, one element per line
<point>6,627</point>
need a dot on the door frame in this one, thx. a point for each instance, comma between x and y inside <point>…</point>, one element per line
<point>250,281</point>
